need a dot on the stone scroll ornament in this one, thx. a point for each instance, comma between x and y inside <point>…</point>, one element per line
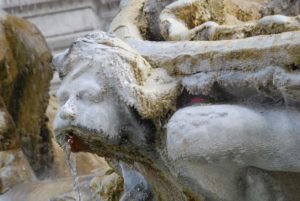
<point>215,119</point>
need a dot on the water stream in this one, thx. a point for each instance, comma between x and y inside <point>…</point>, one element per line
<point>70,159</point>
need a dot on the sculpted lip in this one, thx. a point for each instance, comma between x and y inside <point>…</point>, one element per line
<point>76,144</point>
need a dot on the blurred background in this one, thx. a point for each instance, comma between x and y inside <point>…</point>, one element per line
<point>60,21</point>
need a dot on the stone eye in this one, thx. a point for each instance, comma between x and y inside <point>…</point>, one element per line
<point>91,96</point>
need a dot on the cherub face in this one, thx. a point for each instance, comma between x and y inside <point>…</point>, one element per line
<point>88,110</point>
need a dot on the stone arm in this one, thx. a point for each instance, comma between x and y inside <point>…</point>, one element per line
<point>206,20</point>
<point>202,20</point>
<point>235,135</point>
<point>267,25</point>
<point>227,148</point>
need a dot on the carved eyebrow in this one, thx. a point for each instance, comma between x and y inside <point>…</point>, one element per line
<point>89,91</point>
<point>61,93</point>
<point>84,66</point>
<point>92,89</point>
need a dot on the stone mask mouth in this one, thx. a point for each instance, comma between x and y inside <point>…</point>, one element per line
<point>73,137</point>
<point>82,139</point>
<point>76,144</point>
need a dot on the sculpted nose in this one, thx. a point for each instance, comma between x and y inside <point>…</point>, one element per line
<point>68,111</point>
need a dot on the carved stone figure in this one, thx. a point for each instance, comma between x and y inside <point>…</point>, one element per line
<point>177,24</point>
<point>188,120</point>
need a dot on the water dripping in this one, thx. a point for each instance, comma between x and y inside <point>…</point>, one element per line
<point>70,159</point>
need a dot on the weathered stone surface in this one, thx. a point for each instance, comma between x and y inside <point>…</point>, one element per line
<point>25,76</point>
<point>8,136</point>
<point>190,120</point>
<point>176,19</point>
<point>107,187</point>
<point>285,7</point>
<point>86,162</point>
<point>50,189</point>
<point>14,169</point>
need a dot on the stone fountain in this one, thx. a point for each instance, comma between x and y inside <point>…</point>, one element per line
<point>189,99</point>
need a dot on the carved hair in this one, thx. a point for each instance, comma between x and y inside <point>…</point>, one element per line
<point>152,92</point>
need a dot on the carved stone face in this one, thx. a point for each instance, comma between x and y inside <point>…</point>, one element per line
<point>102,88</point>
<point>86,107</point>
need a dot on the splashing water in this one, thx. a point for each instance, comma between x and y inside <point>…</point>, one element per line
<point>70,159</point>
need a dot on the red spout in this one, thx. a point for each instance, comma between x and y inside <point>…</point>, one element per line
<point>76,144</point>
